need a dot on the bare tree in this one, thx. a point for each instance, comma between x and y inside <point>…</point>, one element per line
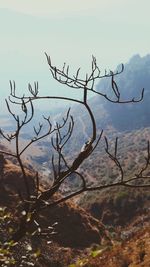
<point>60,134</point>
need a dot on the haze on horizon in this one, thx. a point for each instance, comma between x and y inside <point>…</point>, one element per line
<point>69,31</point>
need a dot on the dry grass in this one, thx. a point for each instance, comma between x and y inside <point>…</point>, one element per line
<point>132,253</point>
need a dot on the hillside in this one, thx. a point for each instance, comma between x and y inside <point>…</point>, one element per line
<point>133,252</point>
<point>78,237</point>
<point>74,228</point>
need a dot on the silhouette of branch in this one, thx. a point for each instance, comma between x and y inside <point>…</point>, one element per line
<point>87,84</point>
<point>114,157</point>
<point>41,199</point>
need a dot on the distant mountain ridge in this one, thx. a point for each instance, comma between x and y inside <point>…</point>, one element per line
<point>134,78</point>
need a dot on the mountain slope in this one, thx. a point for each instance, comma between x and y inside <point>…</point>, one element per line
<point>134,78</point>
<point>74,228</point>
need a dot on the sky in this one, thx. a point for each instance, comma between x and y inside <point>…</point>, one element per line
<point>69,31</point>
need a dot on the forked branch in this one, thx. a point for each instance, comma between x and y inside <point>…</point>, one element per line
<point>62,169</point>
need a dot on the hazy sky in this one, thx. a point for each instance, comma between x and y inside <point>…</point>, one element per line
<point>71,31</point>
<point>57,7</point>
